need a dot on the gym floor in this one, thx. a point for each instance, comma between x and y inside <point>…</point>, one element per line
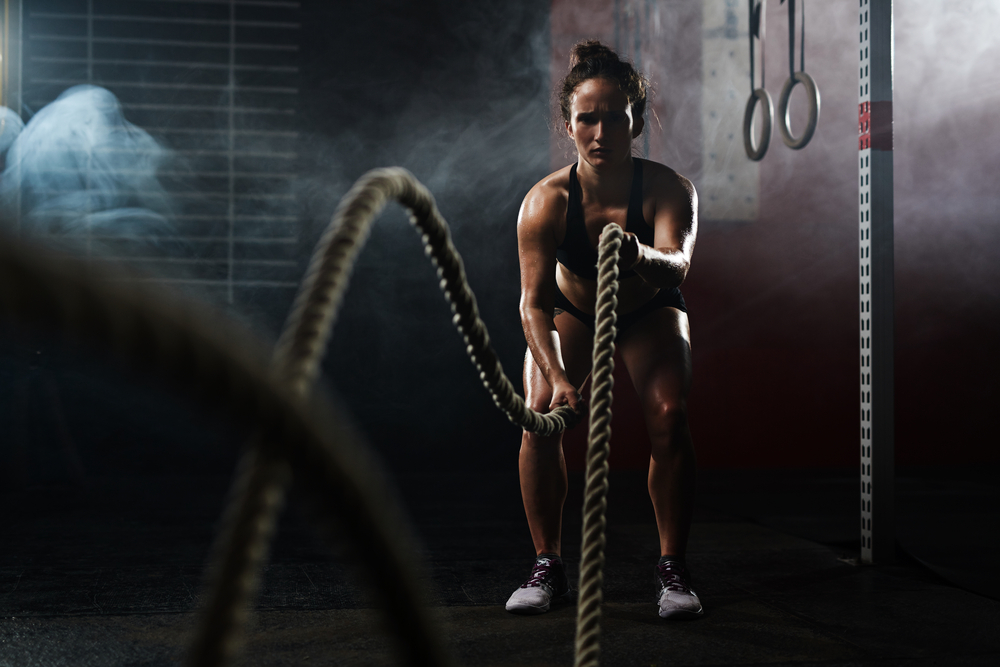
<point>110,574</point>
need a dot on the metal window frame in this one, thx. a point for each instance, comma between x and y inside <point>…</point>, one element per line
<point>231,153</point>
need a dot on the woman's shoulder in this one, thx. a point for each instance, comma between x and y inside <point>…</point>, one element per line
<point>555,185</point>
<point>661,174</point>
<point>660,180</point>
<point>549,196</point>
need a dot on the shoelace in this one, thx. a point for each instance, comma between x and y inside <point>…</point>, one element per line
<point>673,576</point>
<point>539,573</point>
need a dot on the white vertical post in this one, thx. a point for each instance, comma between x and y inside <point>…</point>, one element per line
<point>89,189</point>
<point>878,533</point>
<point>10,51</point>
<point>10,85</point>
<point>231,165</point>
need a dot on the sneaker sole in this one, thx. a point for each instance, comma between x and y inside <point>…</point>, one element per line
<point>528,610</point>
<point>682,614</point>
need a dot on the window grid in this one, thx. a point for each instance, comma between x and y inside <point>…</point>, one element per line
<point>218,87</point>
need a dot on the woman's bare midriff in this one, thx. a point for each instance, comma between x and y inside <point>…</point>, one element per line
<point>582,293</point>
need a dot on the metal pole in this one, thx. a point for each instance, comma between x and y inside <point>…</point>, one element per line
<point>10,52</point>
<point>10,88</point>
<point>878,532</point>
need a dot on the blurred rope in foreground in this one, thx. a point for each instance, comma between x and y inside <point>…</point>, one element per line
<point>222,366</point>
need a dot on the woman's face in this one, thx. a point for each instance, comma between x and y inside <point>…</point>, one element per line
<point>601,123</point>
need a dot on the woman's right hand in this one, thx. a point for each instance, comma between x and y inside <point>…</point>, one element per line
<point>564,393</point>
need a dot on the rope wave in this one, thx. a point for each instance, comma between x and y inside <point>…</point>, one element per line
<point>299,352</point>
<point>220,365</point>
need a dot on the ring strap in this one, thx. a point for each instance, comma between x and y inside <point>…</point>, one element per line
<point>802,39</point>
<point>757,29</point>
<point>791,38</point>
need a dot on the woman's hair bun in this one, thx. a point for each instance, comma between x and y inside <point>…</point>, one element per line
<point>591,59</point>
<point>590,50</point>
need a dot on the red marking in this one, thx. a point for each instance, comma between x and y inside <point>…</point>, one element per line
<point>875,126</point>
<point>864,126</point>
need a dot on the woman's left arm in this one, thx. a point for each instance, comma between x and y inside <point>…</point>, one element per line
<point>665,264</point>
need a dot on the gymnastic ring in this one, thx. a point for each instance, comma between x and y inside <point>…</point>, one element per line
<point>754,152</point>
<point>785,122</point>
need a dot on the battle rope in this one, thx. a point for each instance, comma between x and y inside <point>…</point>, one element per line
<point>222,366</point>
<point>315,308</point>
<point>595,502</point>
<point>297,357</point>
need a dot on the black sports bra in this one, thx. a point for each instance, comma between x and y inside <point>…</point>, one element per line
<point>575,252</point>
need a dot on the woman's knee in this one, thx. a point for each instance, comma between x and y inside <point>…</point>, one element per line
<point>538,398</point>
<point>667,421</point>
<point>547,445</point>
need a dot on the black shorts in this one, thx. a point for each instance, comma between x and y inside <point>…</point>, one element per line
<point>665,298</point>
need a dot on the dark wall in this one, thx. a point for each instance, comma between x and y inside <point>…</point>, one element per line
<point>458,94</point>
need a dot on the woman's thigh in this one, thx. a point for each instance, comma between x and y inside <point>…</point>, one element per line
<point>576,341</point>
<point>657,353</point>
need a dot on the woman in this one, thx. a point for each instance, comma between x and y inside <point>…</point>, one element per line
<point>602,101</point>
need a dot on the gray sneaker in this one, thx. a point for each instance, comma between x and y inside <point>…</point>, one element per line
<point>547,582</point>
<point>677,600</point>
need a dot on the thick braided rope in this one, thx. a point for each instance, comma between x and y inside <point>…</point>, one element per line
<point>242,545</point>
<point>317,304</point>
<point>260,485</point>
<point>303,341</point>
<point>222,367</point>
<point>588,611</point>
<point>238,555</point>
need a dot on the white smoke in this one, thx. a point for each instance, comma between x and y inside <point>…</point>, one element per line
<point>79,167</point>
<point>10,127</point>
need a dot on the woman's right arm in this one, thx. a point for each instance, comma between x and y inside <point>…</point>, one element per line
<point>536,244</point>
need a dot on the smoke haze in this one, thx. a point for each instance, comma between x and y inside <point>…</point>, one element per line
<point>80,168</point>
<point>459,93</point>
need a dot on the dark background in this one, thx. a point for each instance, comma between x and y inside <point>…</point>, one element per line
<point>459,93</point>
<point>456,92</point>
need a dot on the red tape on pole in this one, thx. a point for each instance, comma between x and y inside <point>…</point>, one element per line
<point>875,126</point>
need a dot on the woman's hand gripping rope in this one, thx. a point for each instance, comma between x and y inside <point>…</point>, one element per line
<point>565,394</point>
